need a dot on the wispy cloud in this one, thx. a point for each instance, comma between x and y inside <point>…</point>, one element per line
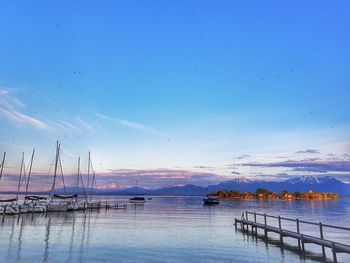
<point>127,123</point>
<point>10,144</point>
<point>8,100</point>
<point>10,109</point>
<point>307,165</point>
<point>308,151</point>
<point>70,125</point>
<point>243,156</point>
<point>19,118</point>
<point>157,178</point>
<point>84,123</point>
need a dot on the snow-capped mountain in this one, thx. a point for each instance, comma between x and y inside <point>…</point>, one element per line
<point>304,179</point>
<point>301,184</point>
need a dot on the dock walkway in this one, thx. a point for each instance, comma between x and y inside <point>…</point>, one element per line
<point>336,247</point>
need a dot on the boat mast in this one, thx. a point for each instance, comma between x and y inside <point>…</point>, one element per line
<point>20,177</point>
<point>89,162</point>
<point>92,184</point>
<point>30,171</point>
<point>98,196</point>
<point>78,173</point>
<point>2,165</point>
<point>61,170</point>
<point>78,177</point>
<point>55,172</point>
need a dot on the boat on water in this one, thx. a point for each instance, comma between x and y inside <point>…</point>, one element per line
<point>210,200</point>
<point>9,209</point>
<point>137,200</point>
<point>36,204</point>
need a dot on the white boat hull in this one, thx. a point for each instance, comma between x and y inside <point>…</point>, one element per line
<point>9,210</point>
<point>57,207</point>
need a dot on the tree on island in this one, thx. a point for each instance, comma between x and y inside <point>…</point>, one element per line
<point>262,193</point>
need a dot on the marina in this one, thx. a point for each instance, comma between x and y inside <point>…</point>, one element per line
<point>25,202</point>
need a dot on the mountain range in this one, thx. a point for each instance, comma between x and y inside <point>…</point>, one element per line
<point>300,184</point>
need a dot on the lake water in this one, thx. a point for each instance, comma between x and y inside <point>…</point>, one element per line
<point>165,229</point>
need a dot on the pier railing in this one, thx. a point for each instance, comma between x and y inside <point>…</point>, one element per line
<point>298,222</point>
<point>251,219</point>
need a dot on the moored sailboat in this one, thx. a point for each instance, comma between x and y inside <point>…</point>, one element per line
<point>55,205</point>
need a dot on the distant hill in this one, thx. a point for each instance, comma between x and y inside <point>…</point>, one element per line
<point>300,184</point>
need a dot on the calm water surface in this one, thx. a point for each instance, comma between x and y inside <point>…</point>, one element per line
<point>165,229</point>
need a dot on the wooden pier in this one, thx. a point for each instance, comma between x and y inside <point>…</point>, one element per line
<point>302,239</point>
<point>7,210</point>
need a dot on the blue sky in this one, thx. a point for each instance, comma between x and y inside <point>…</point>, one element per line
<point>187,86</point>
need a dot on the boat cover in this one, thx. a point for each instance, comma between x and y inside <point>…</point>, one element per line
<point>8,200</point>
<point>66,196</point>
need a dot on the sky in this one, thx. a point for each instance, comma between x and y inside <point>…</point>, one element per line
<point>176,92</point>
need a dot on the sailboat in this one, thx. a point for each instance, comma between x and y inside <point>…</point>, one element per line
<point>55,205</point>
<point>137,199</point>
<point>7,206</point>
<point>75,204</point>
<point>209,200</point>
<point>92,204</point>
<point>22,208</point>
<point>34,203</point>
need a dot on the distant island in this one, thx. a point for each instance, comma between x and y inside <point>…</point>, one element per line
<point>266,194</point>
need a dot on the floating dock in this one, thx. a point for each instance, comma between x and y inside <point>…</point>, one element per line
<point>302,239</point>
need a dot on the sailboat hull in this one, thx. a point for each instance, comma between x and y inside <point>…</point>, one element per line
<point>57,207</point>
<point>9,210</point>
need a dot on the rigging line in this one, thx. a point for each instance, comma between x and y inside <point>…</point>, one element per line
<point>61,169</point>
<point>46,178</point>
<point>55,172</point>
<point>89,165</point>
<point>92,184</point>
<point>93,176</point>
<point>42,184</point>
<point>20,177</point>
<point>30,171</point>
<point>98,195</point>
<point>82,183</point>
<point>78,173</point>
<point>2,165</point>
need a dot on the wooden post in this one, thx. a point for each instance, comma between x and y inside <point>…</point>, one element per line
<point>256,229</point>
<point>334,253</point>
<point>236,223</point>
<point>265,231</point>
<point>321,236</point>
<point>246,215</point>
<point>280,227</point>
<point>298,231</point>
<point>302,245</point>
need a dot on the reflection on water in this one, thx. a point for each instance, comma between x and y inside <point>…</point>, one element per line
<point>171,229</point>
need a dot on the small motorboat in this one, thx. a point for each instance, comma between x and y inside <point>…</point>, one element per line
<point>137,200</point>
<point>210,201</point>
